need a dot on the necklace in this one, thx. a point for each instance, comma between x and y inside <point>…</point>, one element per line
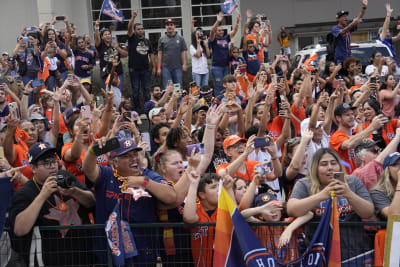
<point>61,207</point>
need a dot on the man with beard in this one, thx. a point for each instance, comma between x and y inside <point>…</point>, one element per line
<point>343,142</point>
<point>139,52</point>
<point>157,98</point>
<point>44,201</point>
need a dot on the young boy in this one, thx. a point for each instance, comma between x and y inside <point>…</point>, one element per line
<point>229,84</point>
<point>204,211</point>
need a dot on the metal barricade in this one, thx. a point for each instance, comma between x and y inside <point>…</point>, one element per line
<point>166,244</point>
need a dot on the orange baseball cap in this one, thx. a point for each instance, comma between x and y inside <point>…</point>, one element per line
<point>231,140</point>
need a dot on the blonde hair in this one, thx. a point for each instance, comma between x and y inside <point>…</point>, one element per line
<point>384,183</point>
<point>313,168</point>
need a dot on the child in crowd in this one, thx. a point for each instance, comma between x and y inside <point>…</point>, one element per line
<point>235,60</point>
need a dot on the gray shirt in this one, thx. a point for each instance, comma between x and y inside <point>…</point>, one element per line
<point>302,190</point>
<point>381,200</point>
<point>172,47</point>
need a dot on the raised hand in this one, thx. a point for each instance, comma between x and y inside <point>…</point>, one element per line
<point>214,114</point>
<point>307,135</point>
<point>220,17</point>
<point>364,2</point>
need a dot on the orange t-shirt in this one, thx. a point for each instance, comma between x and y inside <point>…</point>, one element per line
<point>21,160</point>
<point>248,176</point>
<point>75,167</point>
<point>388,130</point>
<point>347,155</point>
<point>260,46</point>
<point>202,238</point>
<point>300,113</point>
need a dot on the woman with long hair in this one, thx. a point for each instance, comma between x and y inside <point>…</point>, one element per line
<point>389,95</point>
<point>326,175</point>
<point>386,193</point>
<point>376,65</point>
<point>200,52</point>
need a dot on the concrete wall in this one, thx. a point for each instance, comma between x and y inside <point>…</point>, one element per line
<point>290,13</point>
<point>14,15</point>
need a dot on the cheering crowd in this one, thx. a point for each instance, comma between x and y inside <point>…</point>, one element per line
<point>281,138</point>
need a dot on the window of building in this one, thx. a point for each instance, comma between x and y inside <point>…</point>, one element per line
<point>205,13</point>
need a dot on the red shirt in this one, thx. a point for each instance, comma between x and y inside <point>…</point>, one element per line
<point>388,130</point>
<point>347,155</point>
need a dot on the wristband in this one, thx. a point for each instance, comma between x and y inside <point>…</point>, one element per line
<point>210,126</point>
<point>91,151</point>
<point>145,182</point>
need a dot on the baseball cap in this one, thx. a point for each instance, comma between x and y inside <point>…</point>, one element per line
<point>38,150</point>
<point>231,140</point>
<point>154,112</point>
<point>304,124</point>
<point>36,116</point>
<point>168,21</point>
<point>4,53</point>
<point>125,145</point>
<point>364,143</point>
<point>342,108</point>
<point>201,107</point>
<point>341,13</point>
<point>86,81</point>
<point>390,159</point>
<point>264,198</point>
<point>206,91</point>
<point>71,111</point>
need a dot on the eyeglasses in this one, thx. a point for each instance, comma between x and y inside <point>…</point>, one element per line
<point>49,163</point>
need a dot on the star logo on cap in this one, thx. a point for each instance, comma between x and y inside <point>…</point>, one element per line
<point>127,143</point>
<point>265,198</point>
<point>42,146</point>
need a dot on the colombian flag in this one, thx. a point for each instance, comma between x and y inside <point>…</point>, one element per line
<point>334,255</point>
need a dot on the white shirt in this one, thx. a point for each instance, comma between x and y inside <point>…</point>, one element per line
<point>371,68</point>
<point>53,63</point>
<point>313,147</point>
<point>199,64</point>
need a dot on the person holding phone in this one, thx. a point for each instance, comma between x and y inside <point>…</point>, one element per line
<point>313,192</point>
<point>384,34</point>
<point>389,95</point>
<point>84,58</point>
<point>200,51</point>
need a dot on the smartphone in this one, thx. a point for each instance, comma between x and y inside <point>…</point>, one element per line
<point>25,39</point>
<point>274,78</point>
<point>281,79</point>
<point>261,141</point>
<point>264,168</point>
<point>1,152</point>
<point>339,176</point>
<point>114,39</point>
<point>30,29</point>
<point>86,112</point>
<point>263,18</point>
<point>373,79</point>
<point>70,76</point>
<point>177,87</point>
<point>99,101</point>
<point>60,18</point>
<point>51,27</point>
<point>169,83</point>
<point>262,24</point>
<point>337,83</point>
<point>146,138</point>
<point>37,83</point>
<point>110,145</point>
<point>267,21</point>
<point>194,88</point>
<point>242,69</point>
<point>278,99</point>
<point>197,148</point>
<point>14,111</point>
<point>398,25</point>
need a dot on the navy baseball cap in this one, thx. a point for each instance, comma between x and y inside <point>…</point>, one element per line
<point>391,159</point>
<point>125,145</point>
<point>342,13</point>
<point>342,108</point>
<point>71,111</point>
<point>38,150</point>
<point>264,198</point>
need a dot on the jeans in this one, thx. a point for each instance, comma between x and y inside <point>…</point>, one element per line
<point>171,74</point>
<point>218,73</point>
<point>200,79</point>
<point>140,79</point>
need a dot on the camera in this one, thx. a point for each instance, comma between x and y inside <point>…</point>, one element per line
<point>65,179</point>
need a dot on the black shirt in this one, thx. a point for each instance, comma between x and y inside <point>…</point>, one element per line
<point>139,51</point>
<point>106,54</point>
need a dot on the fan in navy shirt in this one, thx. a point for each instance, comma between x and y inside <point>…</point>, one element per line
<point>84,59</point>
<point>140,208</point>
<point>251,57</point>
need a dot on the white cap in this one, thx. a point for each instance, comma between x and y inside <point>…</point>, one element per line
<point>304,124</point>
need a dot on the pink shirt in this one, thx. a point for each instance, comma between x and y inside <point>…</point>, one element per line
<point>388,105</point>
<point>369,174</point>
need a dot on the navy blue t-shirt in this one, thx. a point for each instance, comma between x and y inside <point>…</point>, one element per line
<point>220,51</point>
<point>343,43</point>
<point>4,113</point>
<point>253,64</point>
<point>235,62</point>
<point>83,58</point>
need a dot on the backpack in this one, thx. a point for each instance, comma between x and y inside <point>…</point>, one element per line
<point>331,41</point>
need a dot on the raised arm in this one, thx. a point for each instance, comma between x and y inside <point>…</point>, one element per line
<point>296,162</point>
<point>107,115</point>
<point>220,17</point>
<point>189,211</point>
<point>386,23</point>
<point>236,27</point>
<point>8,143</point>
<point>131,22</point>
<point>357,19</point>
<point>97,39</point>
<point>235,165</point>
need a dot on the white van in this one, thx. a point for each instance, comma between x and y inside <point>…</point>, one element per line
<point>362,51</point>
